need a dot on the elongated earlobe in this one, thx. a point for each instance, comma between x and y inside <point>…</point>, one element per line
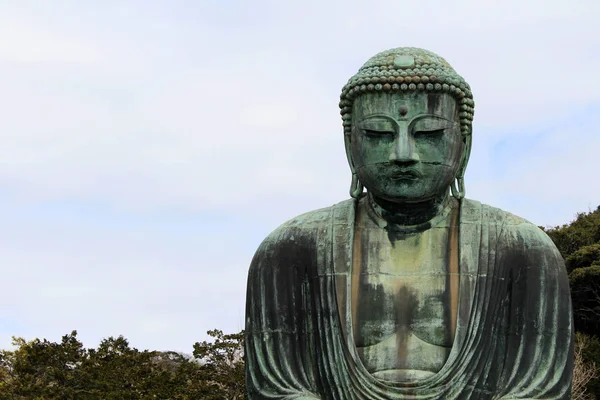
<point>458,186</point>
<point>356,188</point>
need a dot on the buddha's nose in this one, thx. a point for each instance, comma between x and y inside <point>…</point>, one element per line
<point>404,148</point>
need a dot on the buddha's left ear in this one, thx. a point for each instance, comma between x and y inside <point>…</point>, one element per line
<point>356,188</point>
<point>458,186</point>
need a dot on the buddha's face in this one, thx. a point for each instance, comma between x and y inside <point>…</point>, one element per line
<point>406,147</point>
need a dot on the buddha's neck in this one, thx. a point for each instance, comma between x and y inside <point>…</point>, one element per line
<point>408,214</point>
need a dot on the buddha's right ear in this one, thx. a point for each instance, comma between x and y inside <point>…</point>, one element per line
<point>356,188</point>
<point>347,142</point>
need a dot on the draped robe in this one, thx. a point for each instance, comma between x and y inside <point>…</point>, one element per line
<point>513,338</point>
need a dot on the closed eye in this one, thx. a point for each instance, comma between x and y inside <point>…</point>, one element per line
<point>374,133</point>
<point>430,133</point>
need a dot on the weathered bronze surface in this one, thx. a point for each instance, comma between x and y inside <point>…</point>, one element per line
<point>405,291</point>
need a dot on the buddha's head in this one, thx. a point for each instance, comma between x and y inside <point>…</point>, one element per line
<point>407,125</point>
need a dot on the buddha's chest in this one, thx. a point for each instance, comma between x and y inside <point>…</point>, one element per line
<point>402,306</point>
<point>404,302</point>
<point>403,290</point>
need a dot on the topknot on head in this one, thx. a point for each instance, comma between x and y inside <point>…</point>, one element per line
<point>408,69</point>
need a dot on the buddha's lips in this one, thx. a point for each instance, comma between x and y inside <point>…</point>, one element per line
<point>405,174</point>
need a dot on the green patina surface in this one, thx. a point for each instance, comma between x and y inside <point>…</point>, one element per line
<point>408,290</point>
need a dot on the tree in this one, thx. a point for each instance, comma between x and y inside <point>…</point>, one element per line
<point>116,371</point>
<point>583,231</point>
<point>579,244</point>
<point>40,369</point>
<point>585,256</point>
<point>585,295</point>
<point>584,371</point>
<point>223,361</point>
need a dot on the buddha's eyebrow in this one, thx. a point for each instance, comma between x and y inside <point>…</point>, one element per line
<point>387,116</point>
<point>421,116</point>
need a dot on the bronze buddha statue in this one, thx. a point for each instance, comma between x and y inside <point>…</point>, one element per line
<point>408,290</point>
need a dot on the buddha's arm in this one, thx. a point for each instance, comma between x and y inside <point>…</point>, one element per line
<point>539,351</point>
<point>278,356</point>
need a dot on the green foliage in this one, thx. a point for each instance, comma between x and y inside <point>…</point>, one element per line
<point>579,244</point>
<point>40,369</point>
<point>585,295</point>
<point>224,359</point>
<point>584,257</point>
<point>583,231</point>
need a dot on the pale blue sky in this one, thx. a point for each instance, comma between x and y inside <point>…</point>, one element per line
<point>147,147</point>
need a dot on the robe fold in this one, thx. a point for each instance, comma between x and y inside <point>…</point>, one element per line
<point>514,333</point>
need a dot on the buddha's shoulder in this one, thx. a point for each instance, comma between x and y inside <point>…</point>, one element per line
<point>510,226</point>
<point>306,227</point>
